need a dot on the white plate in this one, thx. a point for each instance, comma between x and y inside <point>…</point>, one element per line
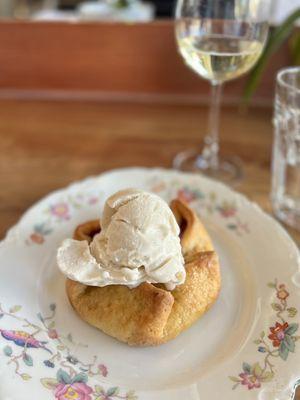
<point>245,347</point>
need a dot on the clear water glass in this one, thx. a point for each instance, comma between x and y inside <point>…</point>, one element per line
<point>286,148</point>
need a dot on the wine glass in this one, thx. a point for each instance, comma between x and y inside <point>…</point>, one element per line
<point>220,40</point>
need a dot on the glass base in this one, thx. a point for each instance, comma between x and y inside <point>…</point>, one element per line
<point>287,214</point>
<point>228,170</point>
<point>289,218</point>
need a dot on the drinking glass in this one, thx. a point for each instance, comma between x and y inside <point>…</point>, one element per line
<point>220,40</point>
<point>286,148</point>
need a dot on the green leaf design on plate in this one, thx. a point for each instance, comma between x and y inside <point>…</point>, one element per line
<point>39,228</point>
<point>271,285</point>
<point>25,377</point>
<point>81,377</point>
<point>131,395</point>
<point>231,226</point>
<point>7,350</point>
<point>257,341</point>
<point>200,195</point>
<point>40,317</point>
<point>262,334</point>
<point>292,312</point>
<point>70,338</point>
<point>15,309</point>
<point>291,329</point>
<point>247,368</point>
<point>283,351</point>
<point>63,376</point>
<point>289,343</point>
<point>49,383</point>
<point>47,231</point>
<point>27,359</point>
<point>276,307</point>
<point>266,376</point>
<point>256,369</point>
<point>51,325</point>
<point>212,196</point>
<point>234,379</point>
<point>99,389</point>
<point>112,391</point>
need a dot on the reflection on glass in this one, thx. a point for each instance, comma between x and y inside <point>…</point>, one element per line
<point>220,40</point>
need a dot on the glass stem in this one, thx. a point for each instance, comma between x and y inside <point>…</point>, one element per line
<point>210,151</point>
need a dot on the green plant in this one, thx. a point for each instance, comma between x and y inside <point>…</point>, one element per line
<point>276,38</point>
<point>295,48</point>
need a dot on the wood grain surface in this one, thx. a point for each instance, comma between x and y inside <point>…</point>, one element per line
<point>47,145</point>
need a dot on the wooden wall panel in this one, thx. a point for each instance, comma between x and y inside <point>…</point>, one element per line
<point>105,57</point>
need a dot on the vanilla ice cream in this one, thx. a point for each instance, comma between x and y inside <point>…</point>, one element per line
<point>139,242</point>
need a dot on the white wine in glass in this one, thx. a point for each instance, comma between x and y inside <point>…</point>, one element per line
<point>220,40</point>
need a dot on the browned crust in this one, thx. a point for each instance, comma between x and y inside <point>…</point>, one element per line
<point>135,316</point>
<point>194,238</point>
<point>196,295</point>
<point>150,315</point>
<point>87,230</point>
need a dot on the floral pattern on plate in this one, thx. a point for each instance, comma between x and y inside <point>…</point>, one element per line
<point>63,210</point>
<point>58,212</point>
<point>251,232</point>
<point>278,342</point>
<point>72,374</point>
<point>209,203</point>
<point>76,387</point>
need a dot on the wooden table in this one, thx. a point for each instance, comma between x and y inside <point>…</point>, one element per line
<point>46,145</point>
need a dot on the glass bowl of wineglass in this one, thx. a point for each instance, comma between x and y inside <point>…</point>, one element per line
<point>220,40</point>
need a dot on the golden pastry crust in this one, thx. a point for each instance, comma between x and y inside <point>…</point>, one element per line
<point>149,314</point>
<point>135,316</point>
<point>194,237</point>
<point>196,295</point>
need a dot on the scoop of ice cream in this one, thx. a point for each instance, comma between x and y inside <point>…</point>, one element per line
<point>139,242</point>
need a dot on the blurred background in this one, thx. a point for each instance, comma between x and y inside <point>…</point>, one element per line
<point>114,10</point>
<point>87,86</point>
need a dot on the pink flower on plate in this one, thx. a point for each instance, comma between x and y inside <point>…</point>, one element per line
<point>93,200</point>
<point>52,333</point>
<point>227,209</point>
<point>250,380</point>
<point>73,391</point>
<point>186,195</point>
<point>102,369</point>
<point>60,210</point>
